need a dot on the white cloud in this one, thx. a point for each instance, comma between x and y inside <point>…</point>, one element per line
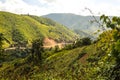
<point>97,6</point>
<point>110,7</point>
<point>20,7</point>
<point>50,0</point>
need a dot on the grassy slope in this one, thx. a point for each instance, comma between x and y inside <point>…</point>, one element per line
<point>32,28</point>
<point>62,65</point>
<point>86,63</point>
<point>57,29</point>
<point>58,66</point>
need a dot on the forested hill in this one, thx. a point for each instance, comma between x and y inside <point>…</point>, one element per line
<point>18,28</point>
<point>76,22</point>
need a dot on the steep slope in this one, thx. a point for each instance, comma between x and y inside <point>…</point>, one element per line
<point>63,65</point>
<point>92,62</point>
<point>72,21</point>
<point>27,28</point>
<point>59,29</point>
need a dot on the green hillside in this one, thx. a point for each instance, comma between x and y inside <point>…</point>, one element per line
<point>28,28</point>
<point>99,61</point>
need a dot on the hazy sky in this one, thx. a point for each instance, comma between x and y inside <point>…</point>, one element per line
<point>42,7</point>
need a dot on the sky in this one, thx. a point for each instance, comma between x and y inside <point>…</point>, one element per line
<point>43,7</point>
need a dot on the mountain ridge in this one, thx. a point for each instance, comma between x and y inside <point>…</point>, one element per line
<point>76,22</point>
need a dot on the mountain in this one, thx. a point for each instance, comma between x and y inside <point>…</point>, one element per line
<point>76,22</point>
<point>27,28</point>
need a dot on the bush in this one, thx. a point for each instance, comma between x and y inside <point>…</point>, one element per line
<point>86,41</point>
<point>83,42</point>
<point>56,48</point>
<point>68,47</point>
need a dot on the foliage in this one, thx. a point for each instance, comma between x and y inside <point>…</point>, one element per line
<point>56,48</point>
<point>83,42</point>
<point>2,39</point>
<point>106,67</point>
<point>86,41</point>
<point>37,49</point>
<point>113,24</point>
<point>17,36</point>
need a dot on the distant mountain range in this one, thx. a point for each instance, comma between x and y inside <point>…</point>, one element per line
<point>78,23</point>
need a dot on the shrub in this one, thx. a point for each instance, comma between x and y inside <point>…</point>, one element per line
<point>83,42</point>
<point>86,41</point>
<point>57,48</point>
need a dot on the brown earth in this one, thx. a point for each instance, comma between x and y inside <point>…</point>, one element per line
<point>83,59</point>
<point>48,43</point>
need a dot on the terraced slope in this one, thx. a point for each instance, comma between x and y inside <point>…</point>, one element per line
<point>27,28</point>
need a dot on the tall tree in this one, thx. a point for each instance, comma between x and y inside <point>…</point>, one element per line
<point>37,49</point>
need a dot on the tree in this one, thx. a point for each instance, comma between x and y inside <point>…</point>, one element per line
<point>56,48</point>
<point>83,42</point>
<point>113,23</point>
<point>18,38</point>
<point>37,49</point>
<point>86,41</point>
<point>1,40</point>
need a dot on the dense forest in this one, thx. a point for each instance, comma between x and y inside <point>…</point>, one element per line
<point>78,59</point>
